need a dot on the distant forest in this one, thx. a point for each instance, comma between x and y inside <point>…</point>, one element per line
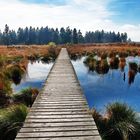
<point>44,35</point>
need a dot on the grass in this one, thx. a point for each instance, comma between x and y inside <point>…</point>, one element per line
<point>90,62</point>
<point>13,116</point>
<point>15,73</point>
<point>122,63</point>
<point>11,120</point>
<point>133,66</point>
<point>119,122</point>
<point>25,51</point>
<point>26,96</point>
<point>114,63</point>
<point>102,66</point>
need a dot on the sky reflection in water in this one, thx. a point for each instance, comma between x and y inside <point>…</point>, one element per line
<point>35,77</point>
<point>99,89</point>
<point>103,89</point>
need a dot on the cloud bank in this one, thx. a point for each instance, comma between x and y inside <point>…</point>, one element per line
<point>82,14</point>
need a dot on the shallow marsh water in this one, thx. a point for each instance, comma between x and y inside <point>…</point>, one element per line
<point>99,89</point>
<point>102,89</point>
<point>34,77</point>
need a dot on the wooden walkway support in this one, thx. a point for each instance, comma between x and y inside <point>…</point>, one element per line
<point>61,111</point>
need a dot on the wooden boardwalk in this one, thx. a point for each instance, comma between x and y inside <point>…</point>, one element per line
<point>61,111</point>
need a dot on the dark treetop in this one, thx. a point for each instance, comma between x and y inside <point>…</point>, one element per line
<point>44,35</point>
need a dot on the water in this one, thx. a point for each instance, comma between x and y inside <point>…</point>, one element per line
<point>35,76</point>
<point>111,87</point>
<point>99,89</point>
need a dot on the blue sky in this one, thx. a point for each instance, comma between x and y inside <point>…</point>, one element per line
<point>54,2</point>
<point>128,11</point>
<point>114,15</point>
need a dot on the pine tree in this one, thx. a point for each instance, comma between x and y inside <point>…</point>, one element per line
<point>80,37</point>
<point>6,35</point>
<point>62,36</point>
<point>75,36</point>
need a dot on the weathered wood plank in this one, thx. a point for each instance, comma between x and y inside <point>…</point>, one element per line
<point>58,107</point>
<point>65,138</point>
<point>58,134</point>
<point>61,111</point>
<point>59,129</point>
<point>55,120</point>
<point>59,116</point>
<point>56,113</point>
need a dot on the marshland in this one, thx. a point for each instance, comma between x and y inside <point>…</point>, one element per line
<point>108,74</point>
<point>70,69</point>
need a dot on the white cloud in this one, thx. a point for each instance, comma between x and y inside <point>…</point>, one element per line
<point>82,14</point>
<point>132,30</point>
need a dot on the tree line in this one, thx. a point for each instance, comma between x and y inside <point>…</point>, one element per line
<point>44,35</point>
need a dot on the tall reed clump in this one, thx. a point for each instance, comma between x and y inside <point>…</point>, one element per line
<point>120,122</point>
<point>11,120</point>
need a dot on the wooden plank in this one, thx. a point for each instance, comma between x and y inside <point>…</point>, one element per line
<point>68,124</point>
<point>61,102</point>
<point>60,112</point>
<point>58,107</point>
<point>59,116</point>
<point>58,129</point>
<point>56,113</point>
<point>58,134</point>
<point>63,120</point>
<point>65,138</point>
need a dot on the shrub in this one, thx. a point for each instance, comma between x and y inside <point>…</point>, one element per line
<point>51,44</point>
<point>52,52</point>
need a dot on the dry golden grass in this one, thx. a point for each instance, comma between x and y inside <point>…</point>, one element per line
<point>29,50</point>
<point>25,50</point>
<point>103,48</point>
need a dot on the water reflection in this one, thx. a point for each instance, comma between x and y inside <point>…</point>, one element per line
<point>35,75</point>
<point>114,84</point>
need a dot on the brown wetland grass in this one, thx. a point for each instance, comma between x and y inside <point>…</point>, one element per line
<point>13,65</point>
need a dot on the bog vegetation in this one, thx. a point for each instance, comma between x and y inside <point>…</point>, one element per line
<point>119,122</point>
<point>14,106</point>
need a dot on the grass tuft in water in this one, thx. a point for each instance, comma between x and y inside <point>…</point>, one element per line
<point>120,122</point>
